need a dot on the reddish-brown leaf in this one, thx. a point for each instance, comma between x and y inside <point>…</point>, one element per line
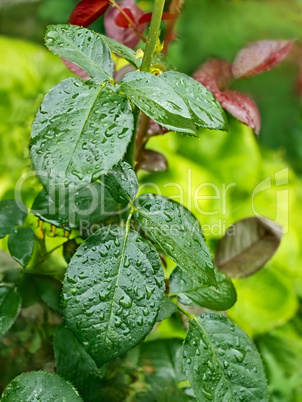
<point>242,107</point>
<point>152,161</point>
<point>260,56</point>
<point>87,11</point>
<point>126,36</point>
<point>76,70</point>
<point>146,18</point>
<point>122,21</point>
<point>214,74</point>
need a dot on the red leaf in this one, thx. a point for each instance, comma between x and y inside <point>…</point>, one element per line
<point>152,161</point>
<point>75,69</point>
<point>126,36</point>
<point>122,21</point>
<point>242,107</point>
<point>260,56</point>
<point>214,74</point>
<point>87,11</point>
<point>146,18</point>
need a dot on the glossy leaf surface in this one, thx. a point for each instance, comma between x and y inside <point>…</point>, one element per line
<point>112,292</point>
<point>121,182</point>
<point>10,216</point>
<point>39,386</point>
<point>81,131</point>
<point>191,292</point>
<point>21,245</point>
<point>167,308</point>
<point>204,108</point>
<point>87,11</point>
<point>124,51</point>
<point>214,74</point>
<point>178,233</point>
<point>221,362</point>
<point>10,303</point>
<point>248,247</point>
<point>83,47</point>
<point>158,100</point>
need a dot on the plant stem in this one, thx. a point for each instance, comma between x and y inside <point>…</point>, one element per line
<point>146,64</point>
<point>153,34</point>
<point>185,312</point>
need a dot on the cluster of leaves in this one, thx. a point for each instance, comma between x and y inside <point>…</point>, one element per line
<point>79,137</point>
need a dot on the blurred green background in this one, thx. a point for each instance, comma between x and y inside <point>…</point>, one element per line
<point>269,303</point>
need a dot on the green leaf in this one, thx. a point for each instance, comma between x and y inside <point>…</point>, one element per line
<point>121,182</point>
<point>160,362</point>
<point>80,132</point>
<point>167,308</point>
<point>10,303</point>
<point>39,386</point>
<point>247,246</point>
<point>191,292</point>
<point>123,51</point>
<point>83,47</point>
<point>158,100</point>
<point>221,362</point>
<point>112,292</point>
<point>21,245</point>
<point>204,108</point>
<point>49,290</point>
<point>10,216</point>
<point>178,233</point>
<point>75,365</point>
<point>90,204</point>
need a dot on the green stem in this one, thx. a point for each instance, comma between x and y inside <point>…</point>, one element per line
<point>153,34</point>
<point>185,312</point>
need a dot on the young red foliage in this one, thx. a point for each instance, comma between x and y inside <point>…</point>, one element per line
<point>87,11</point>
<point>214,74</point>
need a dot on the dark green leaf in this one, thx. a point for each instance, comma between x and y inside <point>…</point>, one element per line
<point>10,303</point>
<point>247,246</point>
<point>123,51</point>
<point>27,288</point>
<point>178,233</point>
<point>158,100</point>
<point>49,290</point>
<point>21,245</point>
<point>39,386</point>
<point>161,363</point>
<point>191,292</point>
<point>83,47</point>
<point>121,182</point>
<point>80,132</point>
<point>69,248</point>
<point>204,108</point>
<point>221,362</point>
<point>75,365</point>
<point>10,216</point>
<point>167,308</point>
<point>112,292</point>
<point>89,204</point>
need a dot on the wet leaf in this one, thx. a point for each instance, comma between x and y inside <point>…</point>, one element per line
<point>112,292</point>
<point>83,47</point>
<point>214,74</point>
<point>152,161</point>
<point>158,100</point>
<point>191,292</point>
<point>121,182</point>
<point>178,233</point>
<point>10,216</point>
<point>21,245</point>
<point>221,362</point>
<point>80,132</point>
<point>247,246</point>
<point>205,110</point>
<point>10,304</point>
<point>45,386</point>
<point>124,34</point>
<point>87,11</point>
<point>122,51</point>
<point>260,56</point>
<point>90,204</point>
<point>167,308</point>
<point>242,107</point>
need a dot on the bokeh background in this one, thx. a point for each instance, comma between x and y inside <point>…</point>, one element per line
<point>269,302</point>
